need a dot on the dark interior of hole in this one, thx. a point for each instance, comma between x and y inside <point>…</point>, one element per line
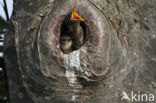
<point>67,30</point>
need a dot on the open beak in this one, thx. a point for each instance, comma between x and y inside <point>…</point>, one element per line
<point>75,16</point>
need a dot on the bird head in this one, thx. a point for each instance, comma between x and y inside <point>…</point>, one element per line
<point>75,16</point>
<point>66,44</point>
<point>65,39</point>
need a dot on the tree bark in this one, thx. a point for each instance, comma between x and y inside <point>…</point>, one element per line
<point>119,54</point>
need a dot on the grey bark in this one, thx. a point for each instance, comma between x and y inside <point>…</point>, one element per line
<point>38,71</point>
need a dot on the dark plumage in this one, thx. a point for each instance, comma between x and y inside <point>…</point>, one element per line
<point>77,34</point>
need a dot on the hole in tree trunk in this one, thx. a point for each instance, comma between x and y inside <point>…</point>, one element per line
<point>73,34</point>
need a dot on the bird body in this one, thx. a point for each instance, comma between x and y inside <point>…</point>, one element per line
<point>77,31</point>
<point>66,44</point>
<point>78,35</point>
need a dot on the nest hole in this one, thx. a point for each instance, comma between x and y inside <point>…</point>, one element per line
<point>69,41</point>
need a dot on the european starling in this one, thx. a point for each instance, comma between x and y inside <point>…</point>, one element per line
<point>76,30</point>
<point>66,43</point>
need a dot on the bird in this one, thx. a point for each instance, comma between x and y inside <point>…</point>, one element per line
<point>76,28</point>
<point>73,33</point>
<point>66,44</point>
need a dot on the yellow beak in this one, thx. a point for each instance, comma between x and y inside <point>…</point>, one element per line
<point>75,16</point>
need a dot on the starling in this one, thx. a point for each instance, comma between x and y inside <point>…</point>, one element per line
<point>76,30</point>
<point>66,43</point>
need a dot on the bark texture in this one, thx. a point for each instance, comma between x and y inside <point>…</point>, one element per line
<point>119,53</point>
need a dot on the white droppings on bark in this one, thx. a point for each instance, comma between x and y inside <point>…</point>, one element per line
<point>153,36</point>
<point>73,98</point>
<point>73,66</point>
<point>73,60</point>
<point>58,46</point>
<point>71,77</point>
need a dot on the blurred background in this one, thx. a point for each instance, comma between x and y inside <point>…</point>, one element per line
<point>6,9</point>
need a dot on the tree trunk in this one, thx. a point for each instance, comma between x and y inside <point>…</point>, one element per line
<point>119,53</point>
